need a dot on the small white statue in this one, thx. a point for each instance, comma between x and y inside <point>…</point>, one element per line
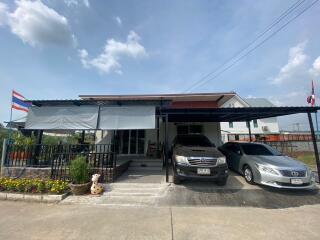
<point>96,188</point>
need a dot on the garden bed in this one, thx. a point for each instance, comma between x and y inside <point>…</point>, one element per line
<point>36,190</point>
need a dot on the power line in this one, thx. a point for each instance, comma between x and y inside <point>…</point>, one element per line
<point>281,17</point>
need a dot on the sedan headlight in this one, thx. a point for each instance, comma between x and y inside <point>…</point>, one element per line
<point>266,169</point>
<point>221,160</point>
<point>181,159</point>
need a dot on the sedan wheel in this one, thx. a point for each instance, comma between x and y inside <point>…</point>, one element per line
<point>248,175</point>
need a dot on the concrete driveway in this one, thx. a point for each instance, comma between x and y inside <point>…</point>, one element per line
<point>237,192</point>
<point>41,221</point>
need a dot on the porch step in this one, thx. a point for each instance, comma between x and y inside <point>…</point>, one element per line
<point>129,201</point>
<point>133,186</point>
<point>133,193</point>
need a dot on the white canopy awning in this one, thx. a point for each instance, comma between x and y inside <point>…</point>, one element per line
<point>127,117</point>
<point>62,118</point>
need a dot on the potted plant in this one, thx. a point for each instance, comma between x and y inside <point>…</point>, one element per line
<point>79,175</point>
<point>22,147</point>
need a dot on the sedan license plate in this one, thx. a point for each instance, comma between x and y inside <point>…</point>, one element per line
<point>296,181</point>
<point>203,171</point>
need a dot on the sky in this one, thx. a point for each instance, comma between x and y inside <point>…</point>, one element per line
<point>59,49</point>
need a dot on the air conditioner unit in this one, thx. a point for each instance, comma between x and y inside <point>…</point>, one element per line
<point>265,128</point>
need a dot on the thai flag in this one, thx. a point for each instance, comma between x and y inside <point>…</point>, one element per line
<point>312,98</point>
<point>18,102</point>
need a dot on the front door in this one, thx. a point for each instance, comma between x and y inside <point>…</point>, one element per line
<point>131,141</point>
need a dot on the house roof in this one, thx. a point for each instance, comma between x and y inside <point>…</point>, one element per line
<point>152,99</point>
<point>259,102</point>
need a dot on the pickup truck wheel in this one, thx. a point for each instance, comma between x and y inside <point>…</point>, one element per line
<point>222,182</point>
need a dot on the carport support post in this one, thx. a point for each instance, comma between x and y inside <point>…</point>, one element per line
<point>166,148</point>
<point>314,140</point>
<point>249,127</point>
<point>158,136</point>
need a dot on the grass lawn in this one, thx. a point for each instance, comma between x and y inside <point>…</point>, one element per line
<point>308,158</point>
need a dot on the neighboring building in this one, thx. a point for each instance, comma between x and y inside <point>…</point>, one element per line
<point>239,130</point>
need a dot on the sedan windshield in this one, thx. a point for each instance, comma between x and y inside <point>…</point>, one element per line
<point>193,140</point>
<point>256,149</point>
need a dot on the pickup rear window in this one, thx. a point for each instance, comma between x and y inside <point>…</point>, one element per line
<point>193,140</point>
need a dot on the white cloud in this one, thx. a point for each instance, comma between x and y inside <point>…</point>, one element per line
<point>296,60</point>
<point>108,60</point>
<point>3,13</point>
<point>315,70</point>
<point>118,20</point>
<point>76,2</point>
<point>38,25</point>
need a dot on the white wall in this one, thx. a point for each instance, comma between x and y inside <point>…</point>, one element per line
<point>241,127</point>
<point>235,102</point>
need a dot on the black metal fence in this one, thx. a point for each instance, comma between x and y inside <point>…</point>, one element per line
<point>100,157</point>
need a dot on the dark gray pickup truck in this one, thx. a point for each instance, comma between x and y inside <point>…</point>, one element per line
<point>195,157</point>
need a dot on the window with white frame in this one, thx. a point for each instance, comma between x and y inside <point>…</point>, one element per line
<point>189,129</point>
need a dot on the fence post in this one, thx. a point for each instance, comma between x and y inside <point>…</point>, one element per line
<point>4,154</point>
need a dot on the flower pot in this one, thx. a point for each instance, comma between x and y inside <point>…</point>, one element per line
<point>80,189</point>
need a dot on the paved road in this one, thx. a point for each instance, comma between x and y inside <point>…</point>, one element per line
<point>207,194</point>
<point>21,220</point>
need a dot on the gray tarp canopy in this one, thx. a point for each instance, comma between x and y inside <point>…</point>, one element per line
<point>89,118</point>
<point>127,117</point>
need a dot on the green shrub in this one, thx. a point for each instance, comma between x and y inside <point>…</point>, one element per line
<point>79,170</point>
<point>21,140</point>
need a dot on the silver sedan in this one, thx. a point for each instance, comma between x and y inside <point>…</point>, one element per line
<point>262,164</point>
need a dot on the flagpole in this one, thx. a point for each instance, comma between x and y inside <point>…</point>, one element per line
<point>10,123</point>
